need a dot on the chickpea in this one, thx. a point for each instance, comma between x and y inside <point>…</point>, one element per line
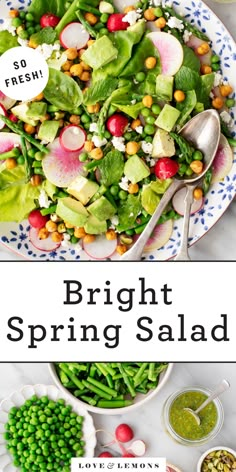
<point>128,9</point>
<point>132,147</point>
<point>76,70</point>
<point>150,62</point>
<point>135,124</point>
<point>226,90</point>
<point>61,228</point>
<point>121,249</point>
<point>88,146</point>
<point>45,118</point>
<point>147,101</point>
<point>179,96</point>
<point>57,237</point>
<point>31,43</point>
<point>205,69</point>
<point>81,52</point>
<point>13,13</point>
<point>196,166</point>
<point>43,233</point>
<point>71,53</point>
<point>96,154</point>
<point>203,49</point>
<point>218,103</point>
<point>29,128</point>
<point>51,226</point>
<point>39,97</point>
<point>91,18</point>
<point>68,73</point>
<point>79,233</point>
<point>197,193</point>
<point>133,188</point>
<point>85,66</point>
<point>36,180</point>
<point>85,76</point>
<point>89,238</point>
<point>111,234</point>
<point>160,22</point>
<point>66,66</point>
<point>10,163</point>
<point>55,218</point>
<point>93,108</point>
<point>75,119</point>
<point>90,42</point>
<point>149,14</point>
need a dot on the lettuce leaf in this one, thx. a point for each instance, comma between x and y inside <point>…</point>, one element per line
<point>40,7</point>
<point>187,79</point>
<point>190,59</point>
<point>99,91</point>
<point>143,50</point>
<point>186,107</point>
<point>62,91</point>
<point>111,168</point>
<point>128,211</point>
<point>44,36</point>
<point>7,41</point>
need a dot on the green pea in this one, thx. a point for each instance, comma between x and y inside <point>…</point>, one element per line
<point>103,31</point>
<point>123,195</point>
<point>22,14</point>
<point>128,136</point>
<point>37,28</point>
<point>16,22</point>
<point>31,30</point>
<point>149,129</point>
<point>215,67</point>
<point>83,157</point>
<point>230,102</point>
<point>85,118</point>
<point>145,112</point>
<point>87,126</point>
<point>189,172</point>
<point>140,76</point>
<point>182,169</point>
<point>104,17</point>
<point>29,17</point>
<point>114,189</point>
<point>215,58</point>
<point>107,135</point>
<point>150,120</point>
<point>28,24</point>
<point>23,34</point>
<point>39,156</point>
<point>197,155</point>
<point>148,139</point>
<point>138,5</point>
<point>156,109</point>
<point>74,240</point>
<point>158,12</point>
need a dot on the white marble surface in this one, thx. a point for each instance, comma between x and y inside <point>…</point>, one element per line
<point>146,422</point>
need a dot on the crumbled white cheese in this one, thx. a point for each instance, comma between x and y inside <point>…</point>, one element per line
<point>218,79</point>
<point>186,36</point>
<point>131,17</point>
<point>114,221</point>
<point>44,201</point>
<point>118,143</point>
<point>93,128</point>
<point>66,237</point>
<point>98,141</point>
<point>47,49</point>
<point>139,129</point>
<point>23,42</point>
<point>156,3</point>
<point>174,22</point>
<point>7,26</point>
<point>169,3</point>
<point>135,81</point>
<point>133,102</point>
<point>212,95</point>
<point>227,118</point>
<point>124,184</point>
<point>131,214</point>
<point>147,147</point>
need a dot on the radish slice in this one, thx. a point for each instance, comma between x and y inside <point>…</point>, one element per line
<point>101,248</point>
<point>138,448</point>
<point>8,141</point>
<point>194,43</point>
<point>74,36</point>
<point>178,202</point>
<point>160,236</point>
<point>223,161</point>
<point>7,102</point>
<point>4,113</point>
<point>46,245</point>
<point>61,167</point>
<point>170,50</point>
<point>72,138</point>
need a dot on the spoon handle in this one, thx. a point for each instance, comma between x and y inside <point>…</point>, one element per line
<point>183,254</point>
<point>224,385</point>
<point>136,251</point>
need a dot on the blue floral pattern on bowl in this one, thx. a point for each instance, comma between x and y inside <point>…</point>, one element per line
<point>16,236</point>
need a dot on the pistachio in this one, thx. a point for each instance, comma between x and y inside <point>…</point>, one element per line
<point>219,461</point>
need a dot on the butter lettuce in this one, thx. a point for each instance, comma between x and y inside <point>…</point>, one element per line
<point>62,91</point>
<point>7,41</point>
<point>111,168</point>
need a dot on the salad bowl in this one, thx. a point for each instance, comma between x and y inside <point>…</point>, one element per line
<point>16,235</point>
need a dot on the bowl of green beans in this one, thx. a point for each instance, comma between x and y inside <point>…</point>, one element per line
<point>111,388</point>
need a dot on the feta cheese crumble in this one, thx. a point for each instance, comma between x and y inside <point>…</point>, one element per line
<point>139,129</point>
<point>226,118</point>
<point>186,36</point>
<point>47,49</point>
<point>131,17</point>
<point>44,201</point>
<point>124,184</point>
<point>93,128</point>
<point>23,42</point>
<point>147,147</point>
<point>7,26</point>
<point>98,141</point>
<point>218,79</point>
<point>114,221</point>
<point>174,22</point>
<point>118,143</point>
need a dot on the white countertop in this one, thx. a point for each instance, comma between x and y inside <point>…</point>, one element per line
<point>146,422</point>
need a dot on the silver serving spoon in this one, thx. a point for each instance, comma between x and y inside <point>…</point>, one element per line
<point>224,385</point>
<point>183,254</point>
<point>203,131</point>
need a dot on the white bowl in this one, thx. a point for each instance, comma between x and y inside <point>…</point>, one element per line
<point>139,400</point>
<point>19,397</point>
<point>217,448</point>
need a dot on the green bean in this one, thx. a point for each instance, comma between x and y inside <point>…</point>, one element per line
<point>138,376</point>
<point>114,403</point>
<point>85,24</point>
<point>91,165</point>
<point>88,400</point>
<point>14,152</point>
<point>232,142</point>
<point>17,129</point>
<point>108,368</point>
<point>94,389</point>
<point>88,9</point>
<point>101,368</point>
<point>110,381</point>
<point>49,210</point>
<point>127,380</point>
<point>187,25</point>
<point>103,387</point>
<point>151,371</point>
<point>71,376</point>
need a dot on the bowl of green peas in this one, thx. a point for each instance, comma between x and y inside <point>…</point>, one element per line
<point>111,388</point>
<point>42,428</point>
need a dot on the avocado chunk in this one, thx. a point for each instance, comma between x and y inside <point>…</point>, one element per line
<point>48,130</point>
<point>100,53</point>
<point>94,226</point>
<point>37,110</point>
<point>164,87</point>
<point>167,118</point>
<point>72,211</point>
<point>135,169</point>
<point>20,111</point>
<point>102,209</point>
<point>163,144</point>
<point>83,189</point>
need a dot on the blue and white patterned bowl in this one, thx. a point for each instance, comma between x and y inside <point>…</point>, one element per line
<point>15,236</point>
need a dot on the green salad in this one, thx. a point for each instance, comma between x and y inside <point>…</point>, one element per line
<point>88,160</point>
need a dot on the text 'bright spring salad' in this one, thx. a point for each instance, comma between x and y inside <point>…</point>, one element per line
<point>88,160</point>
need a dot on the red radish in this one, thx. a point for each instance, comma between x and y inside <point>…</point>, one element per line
<point>165,168</point>
<point>37,220</point>
<point>105,454</point>
<point>223,161</point>
<point>72,138</point>
<point>13,118</point>
<point>160,236</point>
<point>49,20</point>
<point>117,124</point>
<point>46,245</point>
<point>194,43</point>
<point>115,23</point>
<point>124,433</point>
<point>8,141</point>
<point>74,36</point>
<point>170,50</point>
<point>138,447</point>
<point>178,202</point>
<point>101,248</point>
<point>7,102</point>
<point>61,167</point>
<point>4,113</point>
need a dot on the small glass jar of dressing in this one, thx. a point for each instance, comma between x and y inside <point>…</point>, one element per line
<point>182,426</point>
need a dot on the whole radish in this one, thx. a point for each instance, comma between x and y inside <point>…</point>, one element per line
<point>117,124</point>
<point>49,20</point>
<point>105,454</point>
<point>165,168</point>
<point>128,454</point>
<point>37,220</point>
<point>115,23</point>
<point>124,433</point>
